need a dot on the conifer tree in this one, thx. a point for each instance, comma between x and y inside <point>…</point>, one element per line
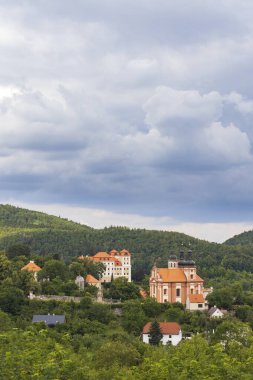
<point>155,334</point>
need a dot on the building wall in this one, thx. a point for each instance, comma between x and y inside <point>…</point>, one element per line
<point>168,291</point>
<point>166,339</point>
<point>117,271</point>
<point>195,306</point>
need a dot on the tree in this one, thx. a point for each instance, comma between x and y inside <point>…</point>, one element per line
<point>155,334</point>
<point>122,289</point>
<point>11,300</point>
<point>5,266</point>
<point>133,318</point>
<point>18,250</point>
<point>53,269</point>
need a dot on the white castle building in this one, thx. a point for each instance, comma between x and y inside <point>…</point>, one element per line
<point>117,264</point>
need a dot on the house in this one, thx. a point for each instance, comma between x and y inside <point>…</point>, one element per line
<point>117,264</point>
<point>178,283</point>
<point>90,280</point>
<point>49,320</point>
<point>171,331</point>
<point>215,312</point>
<point>196,302</point>
<point>33,268</point>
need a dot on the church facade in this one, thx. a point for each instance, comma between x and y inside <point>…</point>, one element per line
<point>178,283</point>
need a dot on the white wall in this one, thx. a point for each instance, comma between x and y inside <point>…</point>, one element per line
<point>174,339</point>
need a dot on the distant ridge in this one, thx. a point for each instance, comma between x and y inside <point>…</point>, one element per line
<point>48,235</point>
<point>245,238</point>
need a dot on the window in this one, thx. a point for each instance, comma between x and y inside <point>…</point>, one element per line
<point>164,291</point>
<point>191,291</point>
<point>191,276</point>
<point>178,292</point>
<point>200,305</point>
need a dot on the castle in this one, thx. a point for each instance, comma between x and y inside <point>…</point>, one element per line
<point>117,264</point>
<point>179,283</point>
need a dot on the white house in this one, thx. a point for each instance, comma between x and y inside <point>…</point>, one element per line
<point>215,312</point>
<point>171,331</point>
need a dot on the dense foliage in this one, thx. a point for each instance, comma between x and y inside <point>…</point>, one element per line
<point>102,341</point>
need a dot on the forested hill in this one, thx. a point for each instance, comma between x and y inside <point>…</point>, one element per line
<point>48,235</point>
<point>16,217</point>
<point>245,238</point>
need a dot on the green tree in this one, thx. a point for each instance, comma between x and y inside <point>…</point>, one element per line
<point>155,334</point>
<point>53,269</point>
<point>11,300</point>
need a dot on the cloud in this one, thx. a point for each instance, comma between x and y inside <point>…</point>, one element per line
<point>128,107</point>
<point>228,143</point>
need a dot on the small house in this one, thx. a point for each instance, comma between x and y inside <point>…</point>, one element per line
<point>171,333</point>
<point>32,268</point>
<point>196,302</point>
<point>215,312</point>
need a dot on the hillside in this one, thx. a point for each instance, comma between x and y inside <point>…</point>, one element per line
<point>245,238</point>
<point>48,235</point>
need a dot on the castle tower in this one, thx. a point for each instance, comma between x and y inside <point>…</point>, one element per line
<point>173,262</point>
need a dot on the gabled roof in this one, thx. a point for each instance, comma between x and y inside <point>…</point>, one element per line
<point>114,252</point>
<point>196,298</point>
<point>31,267</point>
<point>125,252</point>
<point>198,278</point>
<point>90,279</point>
<point>171,328</point>
<point>102,254</point>
<point>213,310</point>
<point>172,275</point>
<point>49,319</point>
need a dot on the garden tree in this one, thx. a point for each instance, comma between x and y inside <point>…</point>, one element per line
<point>25,281</point>
<point>5,321</point>
<point>232,331</point>
<point>18,250</point>
<point>99,312</point>
<point>155,334</point>
<point>120,288</point>
<point>59,287</point>
<point>5,266</point>
<point>96,269</point>
<point>133,318</point>
<point>117,353</point>
<point>11,299</point>
<point>221,298</point>
<point>174,313</point>
<point>243,312</point>
<point>152,308</point>
<point>53,269</point>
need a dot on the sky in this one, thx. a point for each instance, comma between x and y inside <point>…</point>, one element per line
<point>129,112</point>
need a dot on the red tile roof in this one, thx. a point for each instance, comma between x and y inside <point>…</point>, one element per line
<point>198,278</point>
<point>102,254</point>
<point>31,267</point>
<point>171,328</point>
<point>90,279</point>
<point>172,275</point>
<point>196,298</point>
<point>125,252</point>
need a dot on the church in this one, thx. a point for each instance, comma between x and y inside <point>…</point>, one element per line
<point>179,283</point>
